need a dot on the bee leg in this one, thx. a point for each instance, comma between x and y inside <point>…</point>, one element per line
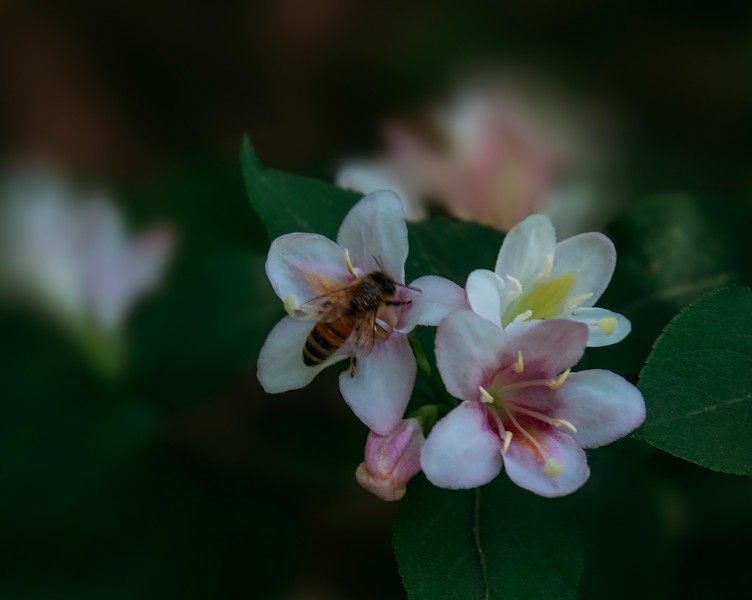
<point>353,365</point>
<point>398,302</point>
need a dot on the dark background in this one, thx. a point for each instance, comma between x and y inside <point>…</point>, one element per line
<point>186,480</point>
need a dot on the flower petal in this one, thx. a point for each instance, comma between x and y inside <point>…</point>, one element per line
<point>605,327</point>
<point>307,265</point>
<point>462,451</point>
<point>602,406</point>
<point>380,388</point>
<point>485,294</point>
<point>525,249</point>
<point>280,364</point>
<point>525,467</point>
<point>437,298</point>
<point>591,257</point>
<point>468,351</point>
<point>549,347</point>
<point>374,232</point>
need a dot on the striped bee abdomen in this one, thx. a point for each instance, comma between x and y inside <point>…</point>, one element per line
<point>326,338</point>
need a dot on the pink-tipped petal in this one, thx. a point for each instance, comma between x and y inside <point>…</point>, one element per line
<point>462,451</point>
<point>525,249</point>
<point>602,406</point>
<point>592,258</point>
<point>374,232</point>
<point>280,365</point>
<point>525,467</point>
<point>437,298</point>
<point>306,265</point>
<point>468,351</point>
<point>380,388</point>
<point>605,327</point>
<point>549,347</point>
<point>485,294</point>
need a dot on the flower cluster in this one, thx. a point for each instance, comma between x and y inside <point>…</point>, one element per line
<point>505,347</point>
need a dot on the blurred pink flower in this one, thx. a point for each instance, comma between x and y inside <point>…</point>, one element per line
<point>494,153</point>
<point>391,460</point>
<point>73,257</point>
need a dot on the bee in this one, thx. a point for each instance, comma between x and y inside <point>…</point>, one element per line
<point>350,315</point>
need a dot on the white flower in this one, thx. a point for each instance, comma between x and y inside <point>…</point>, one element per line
<point>71,257</point>
<point>303,267</point>
<point>537,279</point>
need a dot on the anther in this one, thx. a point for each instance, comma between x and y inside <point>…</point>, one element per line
<point>507,441</point>
<point>292,305</point>
<point>519,367</point>
<point>607,325</point>
<point>486,397</point>
<point>561,379</point>
<point>549,267</point>
<point>564,422</point>
<point>576,300</point>
<point>522,317</point>
<point>552,468</point>
<point>517,285</point>
<point>349,264</point>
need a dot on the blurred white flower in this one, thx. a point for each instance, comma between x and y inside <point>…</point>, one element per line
<point>72,256</point>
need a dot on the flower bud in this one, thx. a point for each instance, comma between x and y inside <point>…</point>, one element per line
<point>391,460</point>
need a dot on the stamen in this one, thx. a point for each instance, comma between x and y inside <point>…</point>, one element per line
<point>552,468</point>
<point>575,301</point>
<point>549,266</point>
<point>564,422</point>
<point>507,441</point>
<point>522,317</point>
<point>562,378</point>
<point>292,305</point>
<point>520,366</point>
<point>349,264</point>
<point>542,417</point>
<point>607,325</point>
<point>486,397</point>
<point>517,285</point>
<point>524,432</point>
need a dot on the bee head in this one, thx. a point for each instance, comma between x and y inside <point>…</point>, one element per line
<point>386,283</point>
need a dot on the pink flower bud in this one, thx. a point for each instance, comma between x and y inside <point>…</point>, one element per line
<point>391,460</point>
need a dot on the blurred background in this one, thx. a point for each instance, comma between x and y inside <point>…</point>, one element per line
<point>139,456</point>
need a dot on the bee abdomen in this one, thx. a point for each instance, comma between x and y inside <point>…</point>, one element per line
<point>325,339</point>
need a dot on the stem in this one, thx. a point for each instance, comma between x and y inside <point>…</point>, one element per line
<point>431,376</point>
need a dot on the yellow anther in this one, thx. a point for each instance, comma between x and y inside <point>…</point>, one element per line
<point>486,397</point>
<point>520,366</point>
<point>564,422</point>
<point>507,441</point>
<point>561,379</point>
<point>517,285</point>
<point>292,304</point>
<point>522,317</point>
<point>607,325</point>
<point>349,264</point>
<point>552,468</point>
<point>549,267</point>
<point>575,301</point>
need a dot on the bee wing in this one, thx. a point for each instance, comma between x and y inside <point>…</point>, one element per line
<point>327,307</point>
<point>364,335</point>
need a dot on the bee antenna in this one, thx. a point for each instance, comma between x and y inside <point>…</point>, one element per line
<point>378,262</point>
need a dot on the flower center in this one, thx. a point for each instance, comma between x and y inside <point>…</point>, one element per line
<point>506,413</point>
<point>543,300</point>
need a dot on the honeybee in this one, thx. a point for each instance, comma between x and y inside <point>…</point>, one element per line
<point>350,314</point>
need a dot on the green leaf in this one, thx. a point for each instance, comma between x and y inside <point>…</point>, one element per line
<point>288,203</point>
<point>671,250</point>
<point>495,542</point>
<point>697,384</point>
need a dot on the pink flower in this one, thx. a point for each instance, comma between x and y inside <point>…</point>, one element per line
<point>391,460</point>
<point>74,258</point>
<point>523,409</point>
<point>303,267</point>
